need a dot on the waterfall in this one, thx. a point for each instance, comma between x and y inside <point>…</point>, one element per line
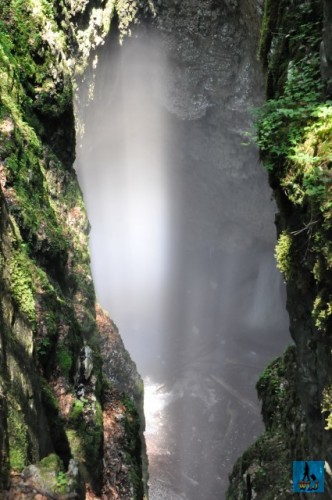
<point>182,246</point>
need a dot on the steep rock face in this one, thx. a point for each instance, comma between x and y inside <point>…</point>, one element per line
<point>294,133</point>
<point>264,468</point>
<point>55,401</point>
<point>123,439</point>
<point>209,50</point>
<point>25,430</point>
<point>212,80</point>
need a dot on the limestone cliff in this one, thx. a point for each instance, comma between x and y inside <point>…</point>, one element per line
<point>295,136</point>
<point>58,403</point>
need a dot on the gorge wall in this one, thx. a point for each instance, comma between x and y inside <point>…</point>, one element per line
<point>71,410</point>
<point>295,136</point>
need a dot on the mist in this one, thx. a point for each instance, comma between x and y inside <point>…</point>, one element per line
<point>181,240</point>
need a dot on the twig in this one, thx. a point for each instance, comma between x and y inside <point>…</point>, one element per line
<point>299,231</point>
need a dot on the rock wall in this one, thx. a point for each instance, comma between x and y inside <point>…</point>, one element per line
<point>58,404</point>
<point>295,137</point>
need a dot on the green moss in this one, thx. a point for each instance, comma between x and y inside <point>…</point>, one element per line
<point>52,474</point>
<point>268,459</point>
<point>18,432</point>
<point>85,437</point>
<point>21,283</point>
<point>76,412</point>
<point>276,389</point>
<point>76,444</point>
<point>46,268</point>
<point>327,407</point>
<point>51,463</point>
<point>93,438</point>
<point>49,400</point>
<point>64,359</point>
<point>133,445</point>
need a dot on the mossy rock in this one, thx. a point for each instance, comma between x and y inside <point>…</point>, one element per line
<point>19,442</point>
<point>48,475</point>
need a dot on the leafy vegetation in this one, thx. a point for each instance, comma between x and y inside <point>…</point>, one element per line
<point>327,406</point>
<point>294,133</point>
<point>61,482</point>
<point>282,254</point>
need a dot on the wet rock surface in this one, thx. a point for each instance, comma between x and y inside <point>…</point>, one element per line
<point>210,54</point>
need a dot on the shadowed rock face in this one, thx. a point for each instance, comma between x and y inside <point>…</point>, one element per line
<point>209,324</point>
<point>297,415</point>
<point>123,418</point>
<point>326,48</point>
